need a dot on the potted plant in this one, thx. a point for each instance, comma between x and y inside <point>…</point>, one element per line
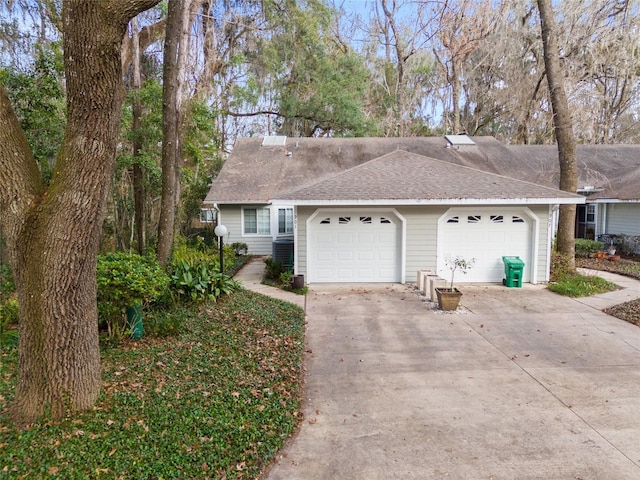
<point>449,297</point>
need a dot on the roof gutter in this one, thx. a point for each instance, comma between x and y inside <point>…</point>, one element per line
<point>613,200</point>
<point>578,200</point>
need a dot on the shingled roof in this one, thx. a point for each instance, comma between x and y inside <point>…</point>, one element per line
<point>613,171</point>
<point>258,174</point>
<point>404,177</point>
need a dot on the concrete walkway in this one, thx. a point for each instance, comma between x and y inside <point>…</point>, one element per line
<point>251,277</point>
<point>520,383</point>
<point>629,290</point>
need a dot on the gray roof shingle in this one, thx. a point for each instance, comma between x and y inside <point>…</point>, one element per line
<point>402,175</point>
<point>257,174</point>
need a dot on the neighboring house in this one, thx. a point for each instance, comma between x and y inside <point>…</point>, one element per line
<point>379,209</point>
<point>609,178</point>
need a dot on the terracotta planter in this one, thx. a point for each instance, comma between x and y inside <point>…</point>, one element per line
<point>614,258</point>
<point>601,254</point>
<point>447,299</point>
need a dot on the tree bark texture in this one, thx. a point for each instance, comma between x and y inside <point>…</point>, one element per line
<point>53,232</point>
<point>564,132</point>
<point>175,50</point>
<point>138,173</point>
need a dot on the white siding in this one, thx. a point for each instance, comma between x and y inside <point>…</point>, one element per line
<point>421,239</point>
<point>300,247</point>
<point>623,218</point>
<point>544,212</point>
<point>231,217</point>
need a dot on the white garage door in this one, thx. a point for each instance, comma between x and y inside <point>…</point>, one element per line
<point>485,235</point>
<point>354,247</point>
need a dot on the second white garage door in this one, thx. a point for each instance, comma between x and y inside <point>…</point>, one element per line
<point>354,247</point>
<point>486,235</point>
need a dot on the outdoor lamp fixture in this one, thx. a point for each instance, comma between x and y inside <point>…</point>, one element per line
<point>220,232</point>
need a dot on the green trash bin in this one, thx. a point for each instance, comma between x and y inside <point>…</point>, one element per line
<point>513,268</point>
<point>134,321</point>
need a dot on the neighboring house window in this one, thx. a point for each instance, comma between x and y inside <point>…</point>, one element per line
<point>207,215</point>
<point>285,220</point>
<point>257,221</point>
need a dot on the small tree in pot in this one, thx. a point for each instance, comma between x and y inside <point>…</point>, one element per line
<point>449,297</point>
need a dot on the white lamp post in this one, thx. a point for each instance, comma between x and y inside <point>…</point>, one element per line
<point>220,232</point>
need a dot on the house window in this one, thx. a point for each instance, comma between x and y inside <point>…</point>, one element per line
<point>257,221</point>
<point>591,213</point>
<point>207,215</point>
<point>285,220</point>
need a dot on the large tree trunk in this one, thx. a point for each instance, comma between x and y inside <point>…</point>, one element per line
<point>138,174</point>
<point>564,133</point>
<point>175,50</point>
<point>53,233</point>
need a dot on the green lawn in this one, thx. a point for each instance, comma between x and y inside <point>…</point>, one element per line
<point>581,285</point>
<point>216,401</point>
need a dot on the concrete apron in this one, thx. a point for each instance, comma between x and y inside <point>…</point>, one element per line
<point>518,384</point>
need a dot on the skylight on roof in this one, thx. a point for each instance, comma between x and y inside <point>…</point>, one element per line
<point>459,140</point>
<point>274,141</point>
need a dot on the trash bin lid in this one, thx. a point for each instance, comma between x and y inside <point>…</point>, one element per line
<point>513,261</point>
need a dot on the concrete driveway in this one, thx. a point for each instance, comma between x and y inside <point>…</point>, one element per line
<point>520,384</point>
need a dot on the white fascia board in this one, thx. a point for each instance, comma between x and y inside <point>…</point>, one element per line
<point>613,200</point>
<point>444,201</point>
<point>283,203</point>
<point>237,202</point>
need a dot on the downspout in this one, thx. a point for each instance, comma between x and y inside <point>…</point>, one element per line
<point>218,214</point>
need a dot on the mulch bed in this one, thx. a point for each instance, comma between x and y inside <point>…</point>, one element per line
<point>629,311</point>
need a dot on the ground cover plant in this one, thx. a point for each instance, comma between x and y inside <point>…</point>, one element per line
<point>216,401</point>
<point>581,285</point>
